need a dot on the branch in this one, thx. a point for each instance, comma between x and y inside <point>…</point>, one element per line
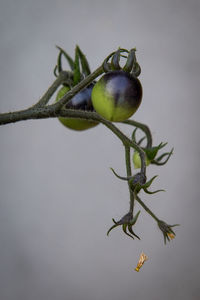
<point>129,174</point>
<point>144,128</point>
<point>42,111</point>
<point>63,77</point>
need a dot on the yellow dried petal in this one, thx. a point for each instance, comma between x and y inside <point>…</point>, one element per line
<point>142,259</point>
<point>171,235</point>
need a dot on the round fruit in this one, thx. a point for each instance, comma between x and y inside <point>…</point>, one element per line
<point>137,160</point>
<point>117,96</point>
<point>81,101</point>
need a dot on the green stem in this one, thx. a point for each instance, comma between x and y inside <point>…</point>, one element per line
<point>63,76</point>
<point>144,128</point>
<point>129,173</point>
<point>41,111</point>
<point>146,208</point>
<point>49,112</point>
<point>57,106</point>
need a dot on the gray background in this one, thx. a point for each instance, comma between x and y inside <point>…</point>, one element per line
<point>58,195</point>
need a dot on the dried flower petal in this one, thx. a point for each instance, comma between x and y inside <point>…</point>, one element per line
<point>142,259</point>
<point>171,235</point>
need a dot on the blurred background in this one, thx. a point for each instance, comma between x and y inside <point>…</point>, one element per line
<point>57,193</point>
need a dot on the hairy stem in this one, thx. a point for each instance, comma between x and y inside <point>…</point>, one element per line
<point>129,174</point>
<point>144,128</point>
<point>146,208</point>
<point>41,111</point>
<point>63,76</point>
<point>58,105</point>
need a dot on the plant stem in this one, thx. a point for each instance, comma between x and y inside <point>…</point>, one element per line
<point>129,174</point>
<point>63,76</point>
<point>57,106</point>
<point>146,208</point>
<point>144,128</point>
<point>41,111</point>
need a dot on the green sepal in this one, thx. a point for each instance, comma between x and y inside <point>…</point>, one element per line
<point>59,63</point>
<point>115,60</point>
<point>137,181</point>
<point>158,162</point>
<point>124,227</point>
<point>141,140</point>
<point>131,60</point>
<point>165,154</point>
<point>148,183</point>
<point>154,192</point>
<point>126,222</point>
<point>152,152</point>
<point>55,71</point>
<point>144,186</point>
<point>68,58</point>
<point>166,229</point>
<point>136,70</point>
<point>77,73</point>
<point>105,64</point>
<point>84,63</point>
<point>111,228</point>
<point>133,137</point>
<point>134,220</point>
<point>132,232</point>
<point>120,177</point>
<point>115,221</point>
